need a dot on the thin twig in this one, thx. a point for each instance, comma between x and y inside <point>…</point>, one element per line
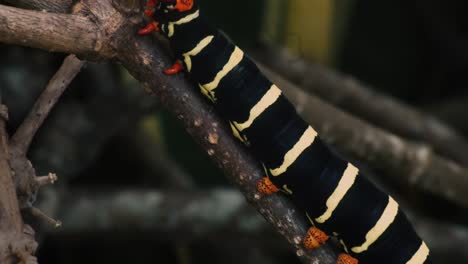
<point>44,217</point>
<point>21,140</point>
<point>46,180</point>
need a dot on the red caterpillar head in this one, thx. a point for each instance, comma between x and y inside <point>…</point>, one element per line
<point>175,5</point>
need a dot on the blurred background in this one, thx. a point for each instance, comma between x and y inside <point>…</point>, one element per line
<point>135,188</point>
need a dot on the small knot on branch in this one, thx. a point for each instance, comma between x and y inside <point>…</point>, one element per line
<point>46,180</point>
<point>4,112</point>
<point>45,218</point>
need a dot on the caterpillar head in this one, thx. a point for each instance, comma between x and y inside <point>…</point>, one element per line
<point>175,6</point>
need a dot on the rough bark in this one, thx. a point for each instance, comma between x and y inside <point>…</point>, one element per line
<point>24,172</point>
<point>56,6</point>
<point>53,32</point>
<point>16,240</point>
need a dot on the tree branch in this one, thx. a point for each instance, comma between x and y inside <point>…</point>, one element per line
<point>25,174</point>
<point>23,136</point>
<point>357,98</point>
<point>53,32</point>
<point>452,111</point>
<point>55,6</point>
<point>16,240</point>
<point>190,215</point>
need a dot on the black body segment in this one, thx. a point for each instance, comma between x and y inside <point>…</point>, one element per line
<point>331,191</point>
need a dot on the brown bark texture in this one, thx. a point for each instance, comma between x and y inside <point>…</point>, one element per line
<point>16,239</point>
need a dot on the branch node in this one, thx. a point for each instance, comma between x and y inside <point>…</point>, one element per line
<point>4,112</point>
<point>43,217</point>
<point>46,180</point>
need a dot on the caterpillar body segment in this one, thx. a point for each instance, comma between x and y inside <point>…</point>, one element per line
<point>333,194</point>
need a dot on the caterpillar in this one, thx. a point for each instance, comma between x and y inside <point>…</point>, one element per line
<point>332,192</point>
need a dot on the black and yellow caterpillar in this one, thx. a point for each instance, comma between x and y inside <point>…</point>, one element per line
<point>331,191</point>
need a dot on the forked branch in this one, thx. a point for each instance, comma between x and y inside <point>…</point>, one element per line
<point>22,138</point>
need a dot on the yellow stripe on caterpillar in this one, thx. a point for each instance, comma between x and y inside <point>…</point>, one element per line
<point>345,184</point>
<point>386,219</point>
<point>270,97</point>
<point>420,256</point>
<point>291,156</point>
<point>195,51</point>
<point>181,21</point>
<point>236,57</point>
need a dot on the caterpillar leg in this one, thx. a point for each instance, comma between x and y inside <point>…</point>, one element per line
<point>314,238</point>
<point>174,69</point>
<point>149,8</point>
<point>266,187</point>
<point>153,26</point>
<point>346,259</point>
<point>151,3</point>
<point>149,13</point>
<point>183,5</point>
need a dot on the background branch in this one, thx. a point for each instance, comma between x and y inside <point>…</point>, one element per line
<point>23,136</point>
<point>194,214</point>
<point>24,172</point>
<point>155,157</point>
<point>352,95</point>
